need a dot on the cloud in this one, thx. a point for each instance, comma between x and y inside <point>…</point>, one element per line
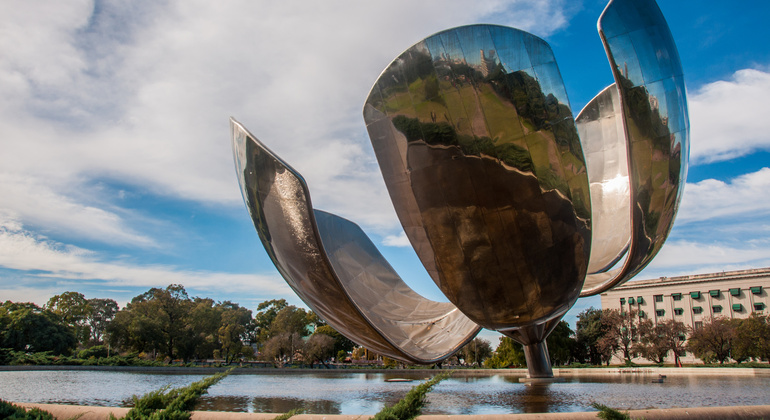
<point>714,199</point>
<point>399,240</point>
<point>140,94</point>
<point>728,117</point>
<point>686,257</point>
<point>46,259</point>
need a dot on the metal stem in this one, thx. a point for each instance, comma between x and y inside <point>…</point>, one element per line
<point>538,361</point>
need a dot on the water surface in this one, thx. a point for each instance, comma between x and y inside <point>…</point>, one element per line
<point>366,393</point>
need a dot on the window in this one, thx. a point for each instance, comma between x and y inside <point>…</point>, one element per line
<point>658,298</point>
<point>660,312</point>
<point>737,307</point>
<point>758,306</point>
<point>716,309</point>
<point>676,296</point>
<point>678,311</point>
<point>640,300</point>
<point>698,325</point>
<point>757,290</point>
<point>695,295</point>
<point>735,292</point>
<point>622,301</point>
<point>630,301</point>
<point>714,293</point>
<point>697,309</point>
<point>641,314</point>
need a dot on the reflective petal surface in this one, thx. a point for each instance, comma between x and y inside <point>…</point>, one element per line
<point>653,108</point>
<point>478,148</point>
<point>336,270</point>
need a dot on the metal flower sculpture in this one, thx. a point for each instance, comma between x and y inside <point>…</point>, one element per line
<point>514,207</point>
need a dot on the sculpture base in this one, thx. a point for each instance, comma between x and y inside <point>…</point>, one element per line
<point>538,361</point>
<point>540,381</point>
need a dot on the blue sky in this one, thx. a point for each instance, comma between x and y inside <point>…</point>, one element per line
<point>116,171</point>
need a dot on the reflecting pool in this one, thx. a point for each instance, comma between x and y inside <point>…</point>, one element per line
<point>366,393</point>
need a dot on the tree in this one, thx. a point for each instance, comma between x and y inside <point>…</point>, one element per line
<point>73,310</point>
<point>713,341</point>
<point>282,347</point>
<point>588,332</point>
<point>561,344</point>
<point>27,327</point>
<point>657,340</point>
<point>509,353</point>
<point>476,351</point>
<point>232,329</point>
<point>752,338</point>
<point>266,313</point>
<point>319,347</point>
<point>341,343</point>
<point>621,332</point>
<point>290,320</point>
<point>101,313</point>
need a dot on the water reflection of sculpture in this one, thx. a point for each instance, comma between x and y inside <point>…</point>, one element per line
<point>511,211</point>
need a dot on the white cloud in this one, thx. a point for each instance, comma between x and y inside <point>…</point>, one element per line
<point>713,199</point>
<point>141,93</point>
<point>729,117</point>
<point>24,251</point>
<point>399,240</point>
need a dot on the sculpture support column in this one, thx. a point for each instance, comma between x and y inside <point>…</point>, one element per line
<point>538,361</point>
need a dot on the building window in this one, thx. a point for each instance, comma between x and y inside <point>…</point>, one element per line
<point>660,312</point>
<point>630,301</point>
<point>622,301</point>
<point>678,311</point>
<point>757,290</point>
<point>697,309</point>
<point>640,300</point>
<point>758,306</point>
<point>695,295</point>
<point>641,314</point>
<point>716,309</point>
<point>698,325</point>
<point>735,292</point>
<point>676,296</point>
<point>737,307</point>
<point>658,298</point>
<point>714,293</point>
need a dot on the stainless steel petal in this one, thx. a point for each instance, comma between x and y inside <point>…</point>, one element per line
<point>648,73</point>
<point>478,148</point>
<point>335,269</point>
<point>600,125</point>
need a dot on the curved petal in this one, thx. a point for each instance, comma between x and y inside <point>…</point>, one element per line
<point>648,73</point>
<point>478,148</point>
<point>336,270</point>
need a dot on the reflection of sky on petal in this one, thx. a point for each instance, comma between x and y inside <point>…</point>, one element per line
<point>619,183</point>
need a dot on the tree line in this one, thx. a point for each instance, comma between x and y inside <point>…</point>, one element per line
<point>167,324</point>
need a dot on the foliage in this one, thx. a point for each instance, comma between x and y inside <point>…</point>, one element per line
<point>751,338</point>
<point>27,327</point>
<point>713,341</point>
<point>175,404</point>
<point>266,313</point>
<point>561,344</point>
<point>588,332</point>
<point>289,414</point>
<point>657,340</point>
<point>622,329</point>
<point>14,412</point>
<point>476,351</point>
<point>411,405</point>
<point>320,347</point>
<point>341,343</point>
<point>608,413</point>
<point>509,353</point>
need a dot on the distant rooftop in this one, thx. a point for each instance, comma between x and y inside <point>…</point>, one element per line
<point>697,278</point>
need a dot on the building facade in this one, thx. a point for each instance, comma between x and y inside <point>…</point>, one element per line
<point>694,299</point>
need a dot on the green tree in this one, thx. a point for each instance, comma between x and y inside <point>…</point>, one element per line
<point>751,339</point>
<point>290,320</point>
<point>657,340</point>
<point>27,327</point>
<point>232,330</point>
<point>561,344</point>
<point>101,313</point>
<point>476,351</point>
<point>713,341</point>
<point>589,330</point>
<point>508,353</point>
<point>266,313</point>
<point>73,310</point>
<point>341,343</point>
<point>319,347</point>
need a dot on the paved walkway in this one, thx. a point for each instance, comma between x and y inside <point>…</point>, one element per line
<point>63,412</point>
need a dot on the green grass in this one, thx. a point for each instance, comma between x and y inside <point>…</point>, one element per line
<point>411,405</point>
